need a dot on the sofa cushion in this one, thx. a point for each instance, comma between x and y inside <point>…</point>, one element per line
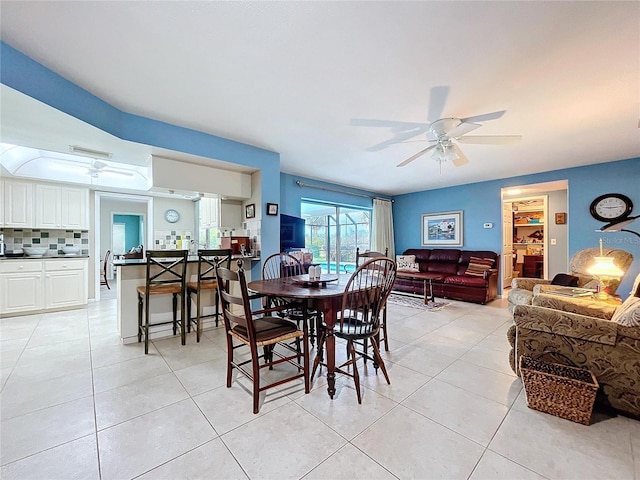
<point>477,266</point>
<point>421,276</point>
<point>628,313</point>
<point>467,281</point>
<point>407,263</point>
<point>565,280</point>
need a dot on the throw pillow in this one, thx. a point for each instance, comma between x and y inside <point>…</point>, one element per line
<point>477,266</point>
<point>565,280</point>
<point>628,313</point>
<point>407,263</point>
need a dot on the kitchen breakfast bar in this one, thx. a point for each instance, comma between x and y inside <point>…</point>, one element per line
<point>131,273</point>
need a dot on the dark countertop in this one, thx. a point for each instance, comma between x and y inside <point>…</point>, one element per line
<point>44,257</point>
<point>190,259</point>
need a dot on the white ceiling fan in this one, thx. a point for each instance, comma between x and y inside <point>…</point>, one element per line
<point>444,133</point>
<point>98,167</point>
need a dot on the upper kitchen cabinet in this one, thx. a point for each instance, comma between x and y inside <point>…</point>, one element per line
<point>209,212</point>
<point>17,204</point>
<point>75,208</point>
<point>61,207</point>
<point>34,205</point>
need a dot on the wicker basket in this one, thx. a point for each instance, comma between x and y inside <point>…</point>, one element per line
<point>560,390</point>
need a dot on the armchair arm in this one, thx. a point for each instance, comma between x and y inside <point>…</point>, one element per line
<point>568,324</point>
<point>582,306</point>
<point>528,283</point>
<point>489,273</point>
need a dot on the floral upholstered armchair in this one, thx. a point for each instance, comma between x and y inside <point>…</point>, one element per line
<point>585,333</point>
<point>524,289</point>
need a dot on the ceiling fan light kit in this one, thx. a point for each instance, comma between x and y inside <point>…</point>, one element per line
<point>444,132</point>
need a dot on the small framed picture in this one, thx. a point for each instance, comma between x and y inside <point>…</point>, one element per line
<point>250,210</point>
<point>272,209</point>
<point>561,218</point>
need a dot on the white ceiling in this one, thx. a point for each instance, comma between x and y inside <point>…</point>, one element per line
<point>291,76</point>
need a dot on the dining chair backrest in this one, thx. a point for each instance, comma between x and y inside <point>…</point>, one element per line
<point>208,260</point>
<point>230,283</point>
<point>166,267</point>
<point>106,261</point>
<point>365,296</point>
<point>281,265</point>
<point>364,256</point>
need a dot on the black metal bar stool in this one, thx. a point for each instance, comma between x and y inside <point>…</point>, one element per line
<point>166,275</point>
<point>208,260</point>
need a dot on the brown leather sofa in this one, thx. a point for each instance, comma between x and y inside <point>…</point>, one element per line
<point>446,268</point>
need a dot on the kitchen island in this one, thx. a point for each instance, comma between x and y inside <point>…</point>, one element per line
<point>131,273</point>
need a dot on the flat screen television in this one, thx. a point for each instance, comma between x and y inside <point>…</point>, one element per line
<point>291,232</point>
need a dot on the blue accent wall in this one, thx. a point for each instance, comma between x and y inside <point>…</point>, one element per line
<point>291,194</point>
<point>481,203</point>
<point>131,230</point>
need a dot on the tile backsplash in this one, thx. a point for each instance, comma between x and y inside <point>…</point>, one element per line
<point>54,240</point>
<point>172,240</point>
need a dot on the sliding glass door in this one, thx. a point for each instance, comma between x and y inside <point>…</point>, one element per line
<point>333,232</point>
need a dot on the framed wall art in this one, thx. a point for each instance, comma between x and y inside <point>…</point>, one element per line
<point>442,229</point>
<point>561,218</point>
<point>250,210</point>
<point>272,209</point>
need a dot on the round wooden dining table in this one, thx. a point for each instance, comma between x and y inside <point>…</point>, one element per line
<point>325,297</point>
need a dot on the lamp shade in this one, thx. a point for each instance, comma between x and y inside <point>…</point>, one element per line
<point>604,267</point>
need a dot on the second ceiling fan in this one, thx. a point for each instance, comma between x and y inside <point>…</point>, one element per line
<point>443,133</point>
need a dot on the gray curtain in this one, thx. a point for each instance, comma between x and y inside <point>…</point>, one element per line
<point>382,232</point>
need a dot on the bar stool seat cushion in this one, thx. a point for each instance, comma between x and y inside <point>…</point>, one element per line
<point>204,285</point>
<point>159,289</point>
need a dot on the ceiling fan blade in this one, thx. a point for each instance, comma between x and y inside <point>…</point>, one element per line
<point>463,129</point>
<point>396,126</point>
<point>397,139</point>
<point>484,117</point>
<point>117,172</point>
<point>462,158</point>
<point>437,99</point>
<point>491,139</point>
<point>413,157</point>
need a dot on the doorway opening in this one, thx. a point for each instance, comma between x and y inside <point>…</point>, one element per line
<point>119,219</point>
<point>534,243</point>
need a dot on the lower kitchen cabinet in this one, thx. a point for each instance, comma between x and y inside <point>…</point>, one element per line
<point>21,287</point>
<point>65,283</point>
<point>36,285</point>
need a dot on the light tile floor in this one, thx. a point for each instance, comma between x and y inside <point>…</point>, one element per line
<point>75,403</point>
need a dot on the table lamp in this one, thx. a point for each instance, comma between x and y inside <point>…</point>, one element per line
<point>604,270</point>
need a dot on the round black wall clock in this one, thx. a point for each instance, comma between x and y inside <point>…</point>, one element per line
<point>611,207</point>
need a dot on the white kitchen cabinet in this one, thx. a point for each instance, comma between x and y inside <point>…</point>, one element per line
<point>18,204</point>
<point>61,207</point>
<point>3,202</point>
<point>34,285</point>
<point>21,286</point>
<point>48,211</point>
<point>65,283</point>
<point>75,208</point>
<point>209,211</point>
